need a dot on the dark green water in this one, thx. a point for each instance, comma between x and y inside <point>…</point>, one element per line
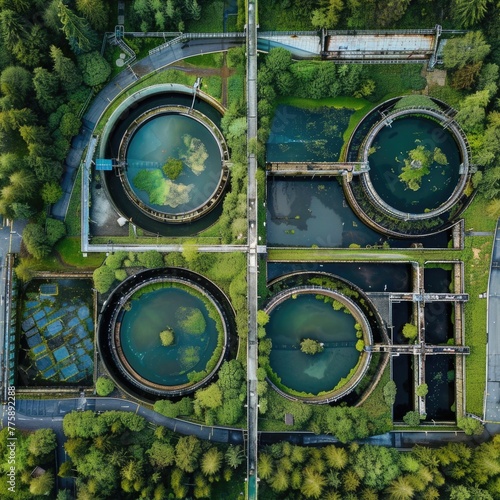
<point>305,212</point>
<point>308,317</point>
<point>139,335</point>
<point>161,138</point>
<point>392,146</point>
<point>307,135</point>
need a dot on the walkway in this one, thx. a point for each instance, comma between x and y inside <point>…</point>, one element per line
<point>392,46</point>
<point>414,349</point>
<point>492,396</point>
<point>252,268</point>
<point>429,297</point>
<point>316,168</point>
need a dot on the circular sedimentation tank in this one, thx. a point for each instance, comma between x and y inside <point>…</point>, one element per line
<point>164,332</point>
<point>171,159</point>
<point>318,337</point>
<point>418,161</point>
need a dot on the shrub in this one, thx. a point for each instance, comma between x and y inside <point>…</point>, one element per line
<point>412,418</point>
<point>390,391</point>
<point>55,230</point>
<point>167,337</point>
<point>360,345</point>
<point>104,277</point>
<point>310,346</point>
<point>410,331</point>
<point>262,318</point>
<point>104,386</point>
<point>422,390</point>
<point>121,274</point>
<point>151,259</point>
<point>115,260</point>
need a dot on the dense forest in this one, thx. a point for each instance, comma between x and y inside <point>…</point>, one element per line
<point>121,455</point>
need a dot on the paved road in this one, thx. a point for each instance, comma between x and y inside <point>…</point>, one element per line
<point>492,396</point>
<point>10,242</point>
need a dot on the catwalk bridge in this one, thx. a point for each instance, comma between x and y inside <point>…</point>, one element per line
<point>313,169</point>
<point>416,349</point>
<point>429,297</point>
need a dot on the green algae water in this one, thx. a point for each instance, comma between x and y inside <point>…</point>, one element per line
<point>392,146</point>
<point>307,317</point>
<point>307,135</point>
<point>182,138</point>
<point>156,311</point>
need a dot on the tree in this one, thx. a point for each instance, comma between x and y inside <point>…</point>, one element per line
<point>335,456</point>
<point>35,240</point>
<point>13,27</point>
<point>95,69</point>
<point>103,277</point>
<point>376,466</point>
<point>412,418</point>
<point>469,12</point>
<point>190,251</point>
<point>471,426</point>
<point>187,451</point>
<point>46,89</point>
<point>167,337</point>
<point>65,69</point>
<point>43,484</point>
<point>472,114</point>
<point>422,390</point>
<point>464,78</point>
<point>55,230</point>
<point>161,455</point>
<point>42,442</point>
<point>410,331</point>
<point>22,210</point>
<point>328,13</point>
<point>150,259</point>
<point>265,465</point>
<point>96,11</point>
<point>401,489</point>
<point>115,260</point>
<point>211,461</point>
<point>468,49</point>
<point>230,411</point>
<point>16,84</point>
<point>51,192</point>
<point>104,386</point>
<point>310,346</point>
<point>390,391</point>
<point>211,397</point>
<point>234,456</point>
<point>313,483</point>
<point>280,480</point>
<point>64,494</point>
<point>262,318</point>
<point>70,125</point>
<point>80,36</point>
<point>231,375</point>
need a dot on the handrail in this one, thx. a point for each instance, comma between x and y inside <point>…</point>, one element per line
<point>446,120</point>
